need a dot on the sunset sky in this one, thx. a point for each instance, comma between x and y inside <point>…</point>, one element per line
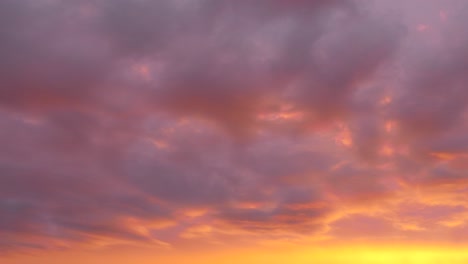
<point>233,131</point>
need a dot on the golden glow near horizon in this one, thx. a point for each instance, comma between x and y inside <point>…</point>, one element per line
<point>361,254</point>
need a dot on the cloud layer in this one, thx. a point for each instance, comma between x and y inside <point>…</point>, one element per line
<point>175,123</point>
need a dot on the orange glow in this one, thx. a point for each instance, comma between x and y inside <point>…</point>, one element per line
<point>248,205</point>
<point>387,150</point>
<point>342,254</point>
<point>443,155</point>
<point>197,231</point>
<point>456,221</point>
<point>282,116</point>
<point>346,141</point>
<point>195,212</point>
<point>344,137</point>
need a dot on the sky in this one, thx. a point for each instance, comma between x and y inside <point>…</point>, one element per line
<point>233,131</point>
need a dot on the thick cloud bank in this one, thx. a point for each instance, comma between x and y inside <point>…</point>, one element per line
<point>171,123</point>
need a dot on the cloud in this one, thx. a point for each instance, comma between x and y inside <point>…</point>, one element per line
<point>269,119</point>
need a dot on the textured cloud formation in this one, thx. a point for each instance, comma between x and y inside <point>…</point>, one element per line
<point>175,123</point>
